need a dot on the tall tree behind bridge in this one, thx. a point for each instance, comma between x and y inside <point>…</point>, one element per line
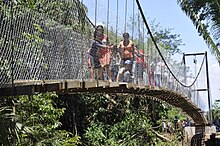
<point>70,12</point>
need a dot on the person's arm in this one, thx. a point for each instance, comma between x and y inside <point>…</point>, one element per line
<point>136,53</point>
<point>98,44</point>
<point>134,50</point>
<point>118,77</point>
<point>111,46</point>
<point>104,46</point>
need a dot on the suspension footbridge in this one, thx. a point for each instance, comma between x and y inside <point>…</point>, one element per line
<point>40,52</point>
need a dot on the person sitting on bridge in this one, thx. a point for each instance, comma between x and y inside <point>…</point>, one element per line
<point>124,73</point>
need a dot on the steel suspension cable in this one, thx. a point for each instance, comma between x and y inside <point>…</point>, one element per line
<point>126,5</point>
<point>199,70</point>
<point>107,17</point>
<point>151,35</point>
<point>116,23</point>
<point>93,25</point>
<point>133,22</point>
<point>139,31</point>
<point>95,12</point>
<point>143,37</point>
<point>132,33</point>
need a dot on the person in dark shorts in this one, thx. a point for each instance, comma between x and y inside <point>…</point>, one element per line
<point>126,48</point>
<point>94,53</point>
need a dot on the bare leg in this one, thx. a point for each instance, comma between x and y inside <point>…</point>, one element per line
<point>108,73</point>
<point>100,73</point>
<point>91,73</point>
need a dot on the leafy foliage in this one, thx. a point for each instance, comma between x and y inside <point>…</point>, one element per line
<point>198,11</point>
<point>115,119</point>
<point>8,132</point>
<point>132,130</point>
<point>39,118</point>
<point>216,110</point>
<point>168,41</point>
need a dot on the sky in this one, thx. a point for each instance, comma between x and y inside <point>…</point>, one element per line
<point>169,15</point>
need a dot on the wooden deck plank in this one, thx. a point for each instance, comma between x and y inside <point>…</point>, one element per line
<point>90,84</point>
<point>131,86</point>
<point>103,84</point>
<point>27,82</point>
<point>51,87</point>
<point>114,84</point>
<point>22,90</point>
<point>73,84</point>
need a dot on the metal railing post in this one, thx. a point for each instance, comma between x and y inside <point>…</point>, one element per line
<point>208,88</point>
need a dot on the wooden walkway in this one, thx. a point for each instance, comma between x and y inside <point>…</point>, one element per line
<point>31,87</point>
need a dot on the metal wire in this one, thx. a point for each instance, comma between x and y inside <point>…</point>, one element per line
<point>107,17</point>
<point>126,7</point>
<point>133,21</point>
<point>96,12</point>
<point>116,23</point>
<point>54,53</point>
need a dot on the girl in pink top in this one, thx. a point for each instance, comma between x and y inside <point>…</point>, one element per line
<point>105,53</point>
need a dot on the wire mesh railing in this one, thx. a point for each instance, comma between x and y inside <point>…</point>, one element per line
<point>35,47</point>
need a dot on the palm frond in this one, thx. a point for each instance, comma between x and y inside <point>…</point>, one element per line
<point>8,132</point>
<point>201,28</point>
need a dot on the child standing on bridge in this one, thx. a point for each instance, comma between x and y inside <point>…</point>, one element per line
<point>100,53</point>
<point>104,53</point>
<point>94,62</point>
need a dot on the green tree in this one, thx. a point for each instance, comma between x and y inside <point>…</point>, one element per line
<point>200,12</point>
<point>216,110</point>
<point>39,116</point>
<point>122,120</point>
